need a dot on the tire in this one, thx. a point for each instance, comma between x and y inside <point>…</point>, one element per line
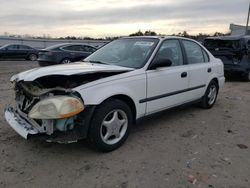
<point>32,57</point>
<point>66,61</point>
<point>110,125</point>
<point>209,99</point>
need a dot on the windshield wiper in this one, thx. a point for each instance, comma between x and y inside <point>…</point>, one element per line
<point>98,62</point>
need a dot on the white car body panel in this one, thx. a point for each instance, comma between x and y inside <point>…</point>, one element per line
<point>67,69</point>
<point>131,84</point>
<point>164,81</point>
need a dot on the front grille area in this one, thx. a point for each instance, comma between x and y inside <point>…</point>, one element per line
<point>24,100</point>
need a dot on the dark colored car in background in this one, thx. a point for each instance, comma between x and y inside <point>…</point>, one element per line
<point>18,51</point>
<point>64,53</point>
<point>234,51</point>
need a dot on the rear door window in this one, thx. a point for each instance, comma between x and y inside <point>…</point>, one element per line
<point>70,48</point>
<point>88,49</point>
<point>13,47</point>
<point>194,52</point>
<point>23,47</point>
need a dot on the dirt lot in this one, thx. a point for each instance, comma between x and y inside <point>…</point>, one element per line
<point>171,149</point>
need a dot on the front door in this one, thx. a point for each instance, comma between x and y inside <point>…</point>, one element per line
<point>166,86</point>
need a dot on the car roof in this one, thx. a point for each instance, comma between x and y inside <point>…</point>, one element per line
<point>15,44</point>
<point>157,37</point>
<point>235,37</point>
<point>163,37</point>
<point>66,44</point>
<point>5,45</point>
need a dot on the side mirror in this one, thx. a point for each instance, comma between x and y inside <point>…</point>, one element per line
<point>160,62</point>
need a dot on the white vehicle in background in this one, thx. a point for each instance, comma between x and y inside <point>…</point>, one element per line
<point>100,98</point>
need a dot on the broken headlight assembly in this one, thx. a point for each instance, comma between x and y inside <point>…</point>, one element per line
<point>56,107</point>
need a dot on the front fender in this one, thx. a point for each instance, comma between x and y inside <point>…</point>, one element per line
<point>133,87</point>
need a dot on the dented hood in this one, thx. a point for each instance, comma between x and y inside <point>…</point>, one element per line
<point>68,69</point>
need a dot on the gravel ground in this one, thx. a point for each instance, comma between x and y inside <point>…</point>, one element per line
<point>185,147</point>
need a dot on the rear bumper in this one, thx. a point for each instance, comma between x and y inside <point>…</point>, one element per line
<point>19,123</point>
<point>221,81</point>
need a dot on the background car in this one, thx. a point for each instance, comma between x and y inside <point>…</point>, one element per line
<point>64,53</point>
<point>234,52</point>
<point>17,51</point>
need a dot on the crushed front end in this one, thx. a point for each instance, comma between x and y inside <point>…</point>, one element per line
<point>55,114</point>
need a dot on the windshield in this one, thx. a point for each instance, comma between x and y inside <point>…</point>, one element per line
<point>222,44</point>
<point>126,52</point>
<point>4,46</point>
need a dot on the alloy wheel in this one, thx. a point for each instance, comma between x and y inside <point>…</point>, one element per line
<point>114,127</point>
<point>212,94</point>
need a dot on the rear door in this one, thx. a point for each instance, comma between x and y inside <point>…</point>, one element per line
<point>166,86</point>
<point>74,52</point>
<point>199,68</point>
<point>23,51</point>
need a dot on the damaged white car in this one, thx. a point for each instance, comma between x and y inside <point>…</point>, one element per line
<point>100,98</point>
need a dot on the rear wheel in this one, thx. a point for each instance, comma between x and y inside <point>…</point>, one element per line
<point>32,57</point>
<point>209,99</point>
<point>66,61</point>
<point>110,125</point>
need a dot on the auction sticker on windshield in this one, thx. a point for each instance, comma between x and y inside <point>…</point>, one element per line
<point>144,43</point>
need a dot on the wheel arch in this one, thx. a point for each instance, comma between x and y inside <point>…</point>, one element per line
<point>29,54</point>
<point>66,57</point>
<point>128,100</point>
<point>216,80</point>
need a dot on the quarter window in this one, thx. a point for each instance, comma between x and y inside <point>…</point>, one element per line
<point>88,49</point>
<point>23,47</point>
<point>194,52</point>
<point>171,49</point>
<point>206,58</point>
<point>70,48</point>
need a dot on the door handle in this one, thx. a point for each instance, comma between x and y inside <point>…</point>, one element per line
<point>184,74</point>
<point>209,70</point>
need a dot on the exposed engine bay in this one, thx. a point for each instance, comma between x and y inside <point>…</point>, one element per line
<point>31,93</point>
<point>28,94</point>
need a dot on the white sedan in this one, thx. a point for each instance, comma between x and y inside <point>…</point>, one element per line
<point>102,97</point>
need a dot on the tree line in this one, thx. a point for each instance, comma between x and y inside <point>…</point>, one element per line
<point>198,37</point>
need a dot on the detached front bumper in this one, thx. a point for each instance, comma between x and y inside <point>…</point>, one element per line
<point>28,128</point>
<point>19,123</point>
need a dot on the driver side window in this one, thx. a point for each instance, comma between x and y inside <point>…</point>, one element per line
<point>171,49</point>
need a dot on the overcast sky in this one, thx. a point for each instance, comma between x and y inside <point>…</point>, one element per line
<point>100,18</point>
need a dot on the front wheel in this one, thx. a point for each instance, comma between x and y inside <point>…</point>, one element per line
<point>66,61</point>
<point>110,125</point>
<point>32,57</point>
<point>209,99</point>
